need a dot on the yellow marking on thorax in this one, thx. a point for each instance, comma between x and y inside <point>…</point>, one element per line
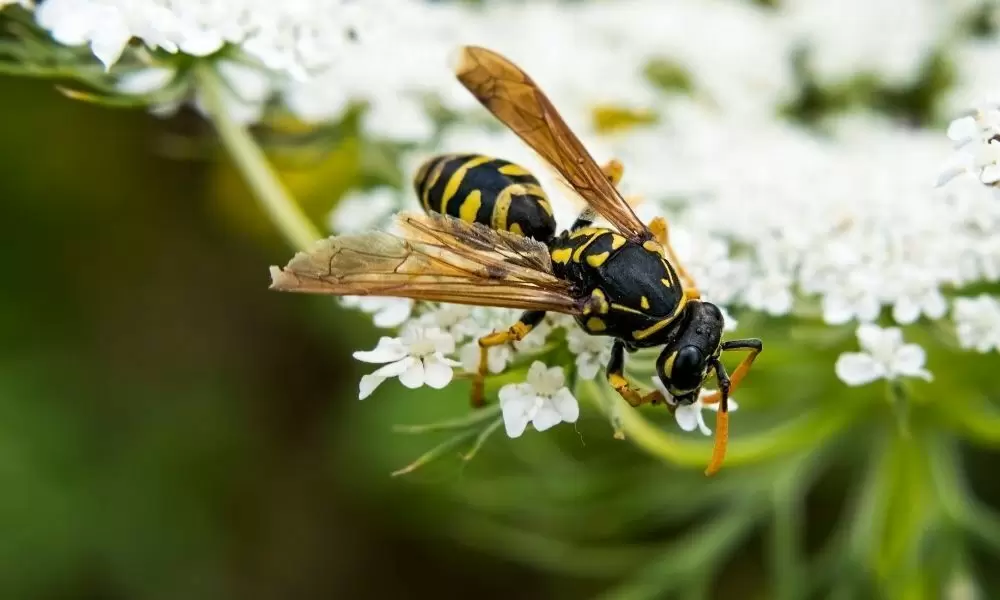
<point>562,255</point>
<point>514,170</point>
<point>596,260</point>
<point>501,207</point>
<point>585,231</point>
<point>470,206</point>
<point>545,206</point>
<point>644,303</point>
<point>628,309</point>
<point>617,241</point>
<point>652,246</point>
<point>579,251</point>
<point>659,325</point>
<point>430,183</point>
<point>666,283</point>
<point>515,228</point>
<point>596,324</point>
<point>456,179</point>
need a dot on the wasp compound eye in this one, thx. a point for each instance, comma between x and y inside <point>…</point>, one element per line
<point>687,371</point>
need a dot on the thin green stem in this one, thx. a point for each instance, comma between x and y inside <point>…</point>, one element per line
<point>808,430</point>
<point>253,165</point>
<point>473,418</point>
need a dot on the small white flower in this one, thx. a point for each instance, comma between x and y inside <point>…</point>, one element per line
<point>885,356</point>
<point>592,351</point>
<point>387,312</point>
<point>689,416</point>
<point>977,323</point>
<point>417,358</point>
<point>542,400</point>
<point>497,357</point>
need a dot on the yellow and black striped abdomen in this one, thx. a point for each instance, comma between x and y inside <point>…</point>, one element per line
<point>486,190</point>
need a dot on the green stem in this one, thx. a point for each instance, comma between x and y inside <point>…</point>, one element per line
<point>253,165</point>
<point>955,499</point>
<point>808,430</point>
<point>786,502</point>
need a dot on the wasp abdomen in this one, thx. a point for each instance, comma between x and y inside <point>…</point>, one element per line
<point>486,190</point>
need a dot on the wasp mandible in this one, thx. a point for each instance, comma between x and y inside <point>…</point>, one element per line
<point>488,239</point>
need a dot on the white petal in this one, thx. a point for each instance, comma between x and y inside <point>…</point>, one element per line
<point>536,373</point>
<point>443,341</point>
<point>587,366</point>
<point>387,350</point>
<point>963,129</point>
<point>934,305</point>
<point>394,369</point>
<point>566,405</point>
<point>858,368</point>
<point>905,311</point>
<point>687,417</point>
<point>110,41</point>
<point>546,416</point>
<point>145,81</point>
<point>836,309</point>
<point>469,357</point>
<point>393,314</point>
<point>515,404</point>
<point>368,384</point>
<point>414,376</point>
<point>909,361</point>
<point>497,358</point>
<point>733,406</point>
<point>436,372</point>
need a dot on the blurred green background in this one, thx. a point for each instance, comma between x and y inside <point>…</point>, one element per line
<point>171,429</point>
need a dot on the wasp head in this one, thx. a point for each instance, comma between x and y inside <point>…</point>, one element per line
<point>693,354</point>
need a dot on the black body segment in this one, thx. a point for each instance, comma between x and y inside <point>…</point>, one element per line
<point>633,293</point>
<point>486,190</point>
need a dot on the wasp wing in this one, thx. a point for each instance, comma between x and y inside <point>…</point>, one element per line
<point>435,258</point>
<point>516,100</point>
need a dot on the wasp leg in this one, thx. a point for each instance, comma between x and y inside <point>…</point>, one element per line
<point>661,233</point>
<point>613,170</point>
<point>528,321</point>
<point>727,385</point>
<point>616,377</point>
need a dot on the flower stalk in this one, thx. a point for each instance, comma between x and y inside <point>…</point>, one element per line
<point>253,165</point>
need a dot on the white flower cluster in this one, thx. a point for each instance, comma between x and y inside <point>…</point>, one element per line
<point>767,215</point>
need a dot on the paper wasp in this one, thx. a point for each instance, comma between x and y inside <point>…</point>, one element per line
<point>624,282</point>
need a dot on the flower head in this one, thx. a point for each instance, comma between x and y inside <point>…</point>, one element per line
<point>417,358</point>
<point>884,356</point>
<point>977,322</point>
<point>543,400</point>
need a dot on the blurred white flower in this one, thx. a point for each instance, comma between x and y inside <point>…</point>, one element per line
<point>417,358</point>
<point>386,312</point>
<point>364,210</point>
<point>592,351</point>
<point>977,322</point>
<point>884,356</point>
<point>542,400</point>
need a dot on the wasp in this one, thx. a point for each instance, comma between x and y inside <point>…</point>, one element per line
<point>488,239</point>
